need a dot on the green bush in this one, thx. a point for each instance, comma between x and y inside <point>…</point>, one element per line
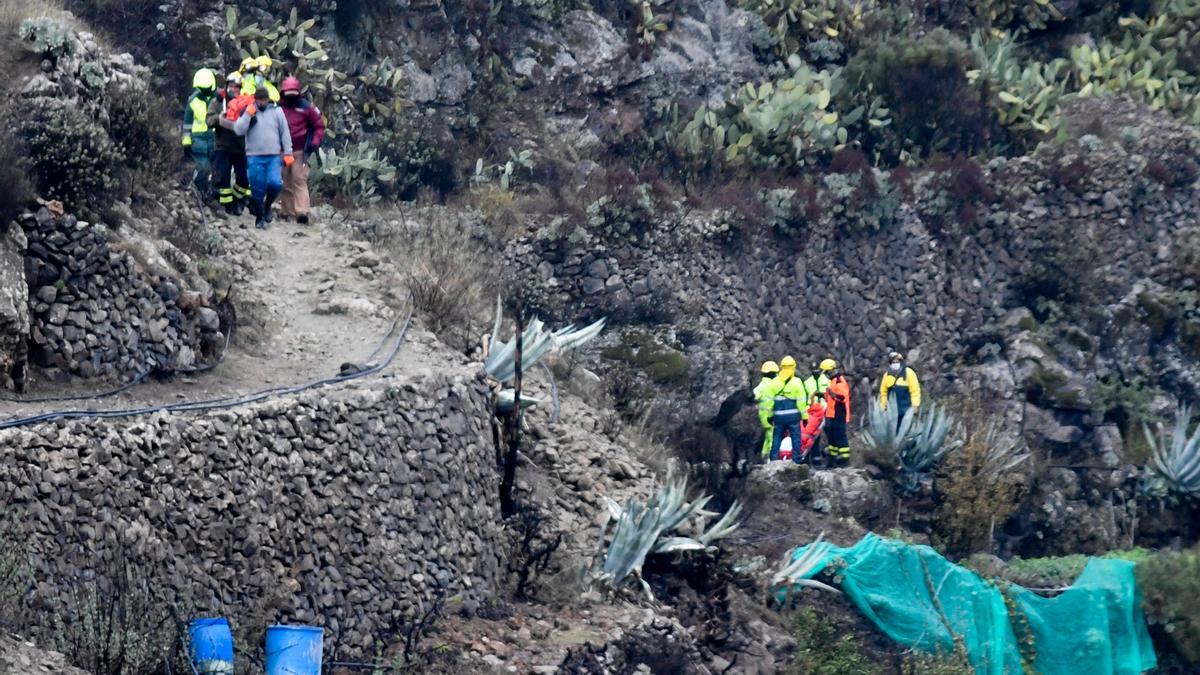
<point>1170,585</point>
<point>662,363</point>
<point>423,155</point>
<point>49,38</point>
<point>357,174</point>
<point>72,157</point>
<point>1018,15</point>
<point>788,122</point>
<point>822,29</point>
<point>1058,571</point>
<point>139,127</point>
<point>793,210</point>
<point>823,647</point>
<point>912,75</point>
<point>620,204</point>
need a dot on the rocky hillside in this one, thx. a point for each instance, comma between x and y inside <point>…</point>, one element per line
<point>1006,192</point>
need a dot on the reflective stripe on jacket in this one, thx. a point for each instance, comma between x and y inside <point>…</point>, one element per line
<point>906,388</point>
<point>816,384</point>
<point>788,397</point>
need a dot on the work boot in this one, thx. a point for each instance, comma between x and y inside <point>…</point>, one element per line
<point>267,209</point>
<point>235,209</point>
<point>302,219</point>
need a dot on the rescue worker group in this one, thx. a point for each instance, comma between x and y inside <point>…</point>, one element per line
<point>251,141</point>
<point>799,409</point>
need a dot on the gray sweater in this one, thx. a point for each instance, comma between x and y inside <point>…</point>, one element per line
<point>266,133</point>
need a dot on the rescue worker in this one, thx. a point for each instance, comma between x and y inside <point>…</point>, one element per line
<point>254,76</point>
<point>230,155</point>
<point>790,395</point>
<point>764,396</point>
<point>818,379</point>
<point>308,130</point>
<point>268,150</point>
<point>901,383</point>
<point>197,135</point>
<point>837,413</point>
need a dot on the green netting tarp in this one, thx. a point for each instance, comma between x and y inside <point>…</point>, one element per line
<point>921,600</point>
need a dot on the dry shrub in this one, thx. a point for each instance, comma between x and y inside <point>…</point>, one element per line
<point>119,624</point>
<point>451,275</point>
<point>975,499</point>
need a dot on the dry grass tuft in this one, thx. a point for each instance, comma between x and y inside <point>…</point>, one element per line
<point>451,274</point>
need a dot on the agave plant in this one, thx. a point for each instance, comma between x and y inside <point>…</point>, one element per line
<point>536,343</point>
<point>927,444</point>
<point>797,569</point>
<point>1004,453</point>
<point>642,529</point>
<point>886,433</point>
<point>1177,458</point>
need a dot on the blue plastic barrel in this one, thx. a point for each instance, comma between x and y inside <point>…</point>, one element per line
<point>212,646</point>
<point>294,650</point>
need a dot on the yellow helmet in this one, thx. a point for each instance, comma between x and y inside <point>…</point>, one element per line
<point>233,78</point>
<point>249,64</point>
<point>787,362</point>
<point>828,365</point>
<point>769,367</point>
<point>264,63</point>
<point>204,79</point>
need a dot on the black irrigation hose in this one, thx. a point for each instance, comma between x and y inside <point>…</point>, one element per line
<point>104,394</point>
<point>225,402</point>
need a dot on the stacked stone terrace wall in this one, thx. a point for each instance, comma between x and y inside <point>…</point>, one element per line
<point>352,508</point>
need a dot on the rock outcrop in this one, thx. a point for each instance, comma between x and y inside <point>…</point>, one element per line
<point>14,309</point>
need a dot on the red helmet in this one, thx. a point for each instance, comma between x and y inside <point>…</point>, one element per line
<point>290,84</point>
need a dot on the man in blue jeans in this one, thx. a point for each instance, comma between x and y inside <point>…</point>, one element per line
<point>268,149</point>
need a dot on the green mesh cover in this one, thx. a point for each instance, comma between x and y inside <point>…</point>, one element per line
<point>1093,628</point>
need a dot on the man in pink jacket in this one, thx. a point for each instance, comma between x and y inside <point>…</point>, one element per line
<point>308,130</point>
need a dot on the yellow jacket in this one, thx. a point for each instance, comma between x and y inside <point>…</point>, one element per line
<point>906,381</point>
<point>764,395</point>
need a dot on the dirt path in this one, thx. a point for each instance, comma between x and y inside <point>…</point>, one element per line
<point>319,297</point>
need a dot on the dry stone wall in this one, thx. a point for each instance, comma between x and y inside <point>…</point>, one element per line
<point>96,312</point>
<point>350,508</point>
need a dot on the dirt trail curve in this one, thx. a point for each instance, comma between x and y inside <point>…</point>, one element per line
<point>319,298</point>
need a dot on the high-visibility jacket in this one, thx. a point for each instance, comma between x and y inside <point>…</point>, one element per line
<point>816,384</point>
<point>837,399</point>
<point>905,387</point>
<point>194,114</point>
<point>790,395</point>
<point>250,82</point>
<point>764,395</point>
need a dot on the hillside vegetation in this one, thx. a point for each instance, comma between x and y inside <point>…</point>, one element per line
<point>1005,191</point>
